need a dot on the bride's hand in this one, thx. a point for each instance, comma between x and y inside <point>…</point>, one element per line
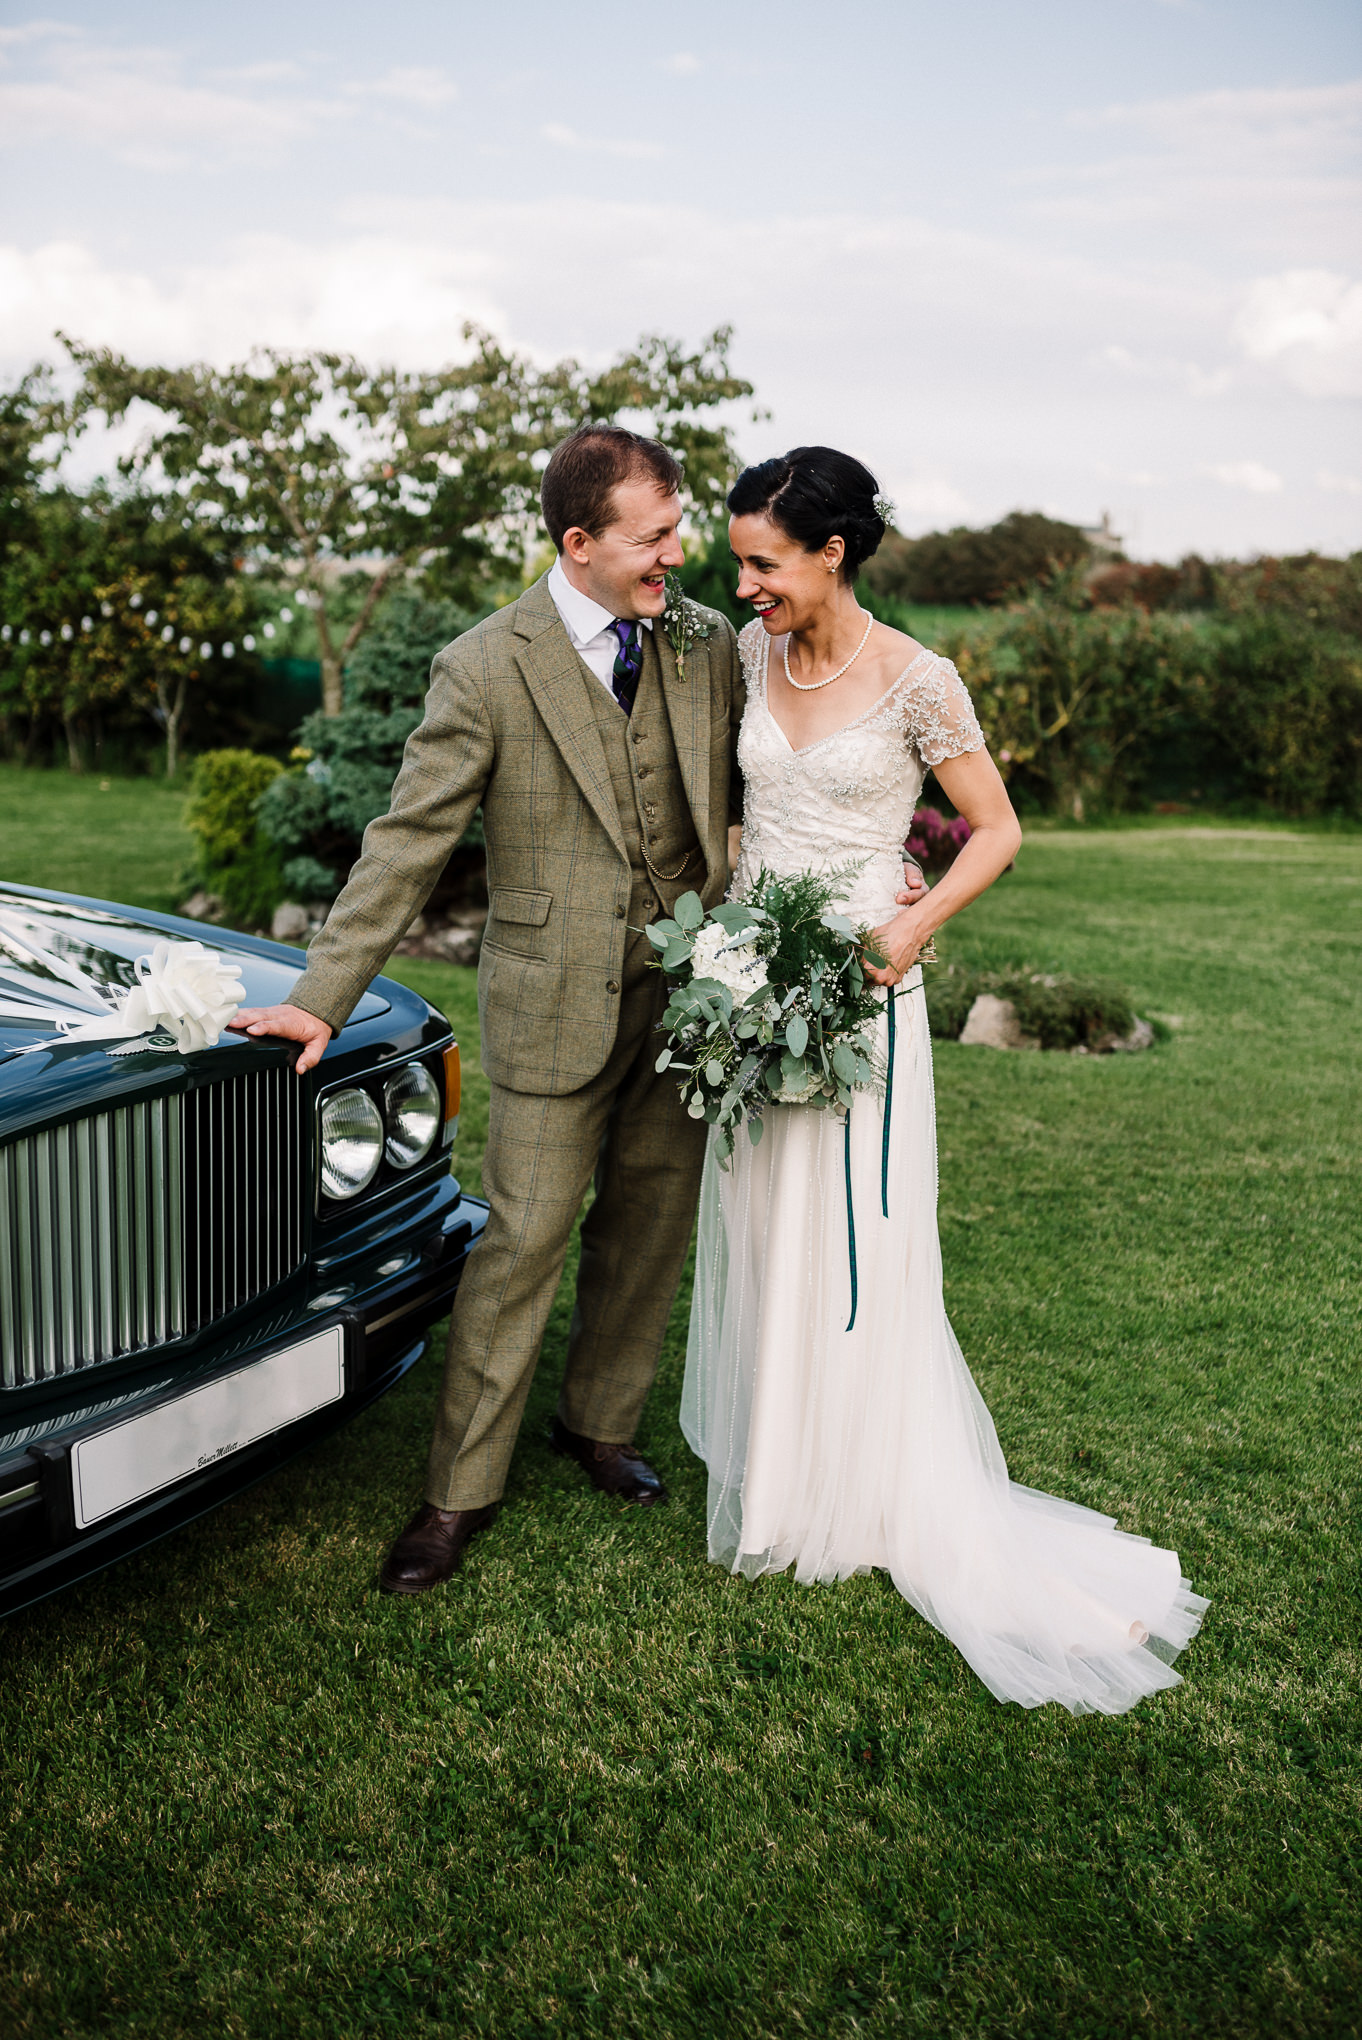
<point>900,941</point>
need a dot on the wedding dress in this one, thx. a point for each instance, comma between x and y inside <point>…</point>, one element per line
<point>836,1445</point>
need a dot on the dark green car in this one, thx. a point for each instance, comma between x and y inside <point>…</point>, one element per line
<point>206,1262</point>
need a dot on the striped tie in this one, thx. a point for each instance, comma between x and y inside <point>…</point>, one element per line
<point>628,663</point>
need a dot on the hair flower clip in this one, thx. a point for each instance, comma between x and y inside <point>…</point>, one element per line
<point>884,509</point>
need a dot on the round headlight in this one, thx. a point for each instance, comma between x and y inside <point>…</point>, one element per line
<point>411,1106</point>
<point>352,1142</point>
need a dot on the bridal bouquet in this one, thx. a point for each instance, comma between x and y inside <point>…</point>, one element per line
<point>769,1003</point>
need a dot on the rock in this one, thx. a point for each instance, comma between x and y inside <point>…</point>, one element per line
<point>469,917</point>
<point>458,945</point>
<point>1140,1036</point>
<point>291,922</point>
<point>992,1023</point>
<point>202,906</point>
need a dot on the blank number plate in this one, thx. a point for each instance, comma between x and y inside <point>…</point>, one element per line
<point>135,1459</point>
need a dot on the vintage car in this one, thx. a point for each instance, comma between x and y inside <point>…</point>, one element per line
<point>206,1262</point>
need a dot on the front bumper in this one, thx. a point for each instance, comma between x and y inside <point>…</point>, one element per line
<point>384,1296</point>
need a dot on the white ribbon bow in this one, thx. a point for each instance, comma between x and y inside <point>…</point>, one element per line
<point>181,987</point>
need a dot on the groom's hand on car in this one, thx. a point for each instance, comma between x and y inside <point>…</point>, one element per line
<point>286,1023</point>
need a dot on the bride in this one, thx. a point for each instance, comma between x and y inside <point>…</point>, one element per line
<point>835,1413</point>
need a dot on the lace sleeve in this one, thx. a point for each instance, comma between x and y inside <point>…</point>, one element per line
<point>752,651</point>
<point>941,719</point>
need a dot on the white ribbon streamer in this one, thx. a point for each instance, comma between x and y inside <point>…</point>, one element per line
<point>181,987</point>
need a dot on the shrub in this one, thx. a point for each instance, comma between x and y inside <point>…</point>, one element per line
<point>236,860</point>
<point>344,766</point>
<point>1057,1011</point>
<point>964,566</point>
<point>935,842</point>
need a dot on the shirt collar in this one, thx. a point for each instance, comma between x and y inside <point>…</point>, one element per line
<point>583,618</point>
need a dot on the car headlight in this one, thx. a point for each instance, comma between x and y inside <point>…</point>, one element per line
<point>411,1106</point>
<point>351,1142</point>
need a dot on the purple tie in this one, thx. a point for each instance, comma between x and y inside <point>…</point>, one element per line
<point>628,663</point>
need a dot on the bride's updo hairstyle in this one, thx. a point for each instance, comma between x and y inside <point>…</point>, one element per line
<point>815,493</point>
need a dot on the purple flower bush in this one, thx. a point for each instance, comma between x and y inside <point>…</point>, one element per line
<point>935,843</point>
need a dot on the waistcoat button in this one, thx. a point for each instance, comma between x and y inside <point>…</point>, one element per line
<point>620,913</point>
<point>612,986</point>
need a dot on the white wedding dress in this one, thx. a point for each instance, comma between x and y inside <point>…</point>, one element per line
<point>835,1446</point>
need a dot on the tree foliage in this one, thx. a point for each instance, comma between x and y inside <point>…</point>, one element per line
<point>969,567</point>
<point>314,461</point>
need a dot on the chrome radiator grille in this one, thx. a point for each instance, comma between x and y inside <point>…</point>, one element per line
<point>135,1226</point>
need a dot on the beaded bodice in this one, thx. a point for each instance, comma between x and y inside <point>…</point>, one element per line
<point>848,798</point>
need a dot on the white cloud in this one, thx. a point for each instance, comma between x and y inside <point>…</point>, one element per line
<point>1249,475</point>
<point>416,85</point>
<point>1307,324</point>
<point>1256,168</point>
<point>683,64</point>
<point>137,103</point>
<point>1338,485</point>
<point>568,138</point>
<point>376,295</point>
<point>34,31</point>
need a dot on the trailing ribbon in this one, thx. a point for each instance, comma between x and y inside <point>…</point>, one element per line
<point>884,1157</point>
<point>851,1220</point>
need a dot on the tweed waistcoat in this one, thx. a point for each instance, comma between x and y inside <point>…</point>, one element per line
<point>654,814</point>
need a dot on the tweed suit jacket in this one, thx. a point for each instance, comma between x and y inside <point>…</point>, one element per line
<point>507,725</point>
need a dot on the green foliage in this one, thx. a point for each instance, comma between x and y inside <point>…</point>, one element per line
<point>1055,1009</point>
<point>344,766</point>
<point>317,458</point>
<point>1089,711</point>
<point>973,567</point>
<point>109,603</point>
<point>236,859</point>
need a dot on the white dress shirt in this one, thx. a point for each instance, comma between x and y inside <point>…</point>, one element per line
<point>587,625</point>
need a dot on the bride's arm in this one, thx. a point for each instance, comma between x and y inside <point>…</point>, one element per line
<point>975,789</point>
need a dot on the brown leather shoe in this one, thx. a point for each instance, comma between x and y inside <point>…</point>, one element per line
<point>431,1547</point>
<point>615,1469</point>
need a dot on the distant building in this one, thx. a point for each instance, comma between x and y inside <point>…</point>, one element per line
<point>1101,537</point>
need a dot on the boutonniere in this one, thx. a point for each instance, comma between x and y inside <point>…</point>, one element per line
<point>684,622</point>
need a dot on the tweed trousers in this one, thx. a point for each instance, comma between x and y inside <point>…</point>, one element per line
<point>629,1130</point>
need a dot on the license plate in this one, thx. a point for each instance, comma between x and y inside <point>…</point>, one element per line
<point>137,1458</point>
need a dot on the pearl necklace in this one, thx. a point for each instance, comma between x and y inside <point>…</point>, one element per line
<point>812,686</point>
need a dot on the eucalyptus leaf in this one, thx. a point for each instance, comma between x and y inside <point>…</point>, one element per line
<point>696,1108</point>
<point>664,1061</point>
<point>689,912</point>
<point>797,1034</point>
<point>755,1129</point>
<point>844,1062</point>
<point>714,1072</point>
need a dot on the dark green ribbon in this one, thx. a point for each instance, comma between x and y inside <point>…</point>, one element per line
<point>884,1160</point>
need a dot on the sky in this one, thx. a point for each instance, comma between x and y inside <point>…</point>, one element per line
<point>1069,255</point>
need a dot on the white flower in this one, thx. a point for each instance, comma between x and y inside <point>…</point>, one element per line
<point>735,965</point>
<point>800,1094</point>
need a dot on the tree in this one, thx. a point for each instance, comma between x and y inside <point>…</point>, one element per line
<point>116,609</point>
<point>965,566</point>
<point>313,463</point>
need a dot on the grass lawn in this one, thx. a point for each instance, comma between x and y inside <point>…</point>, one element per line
<point>118,839</point>
<point>597,1787</point>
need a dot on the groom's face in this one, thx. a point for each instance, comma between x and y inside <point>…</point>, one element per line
<point>623,569</point>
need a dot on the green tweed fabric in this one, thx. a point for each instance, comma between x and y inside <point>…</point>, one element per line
<point>508,725</point>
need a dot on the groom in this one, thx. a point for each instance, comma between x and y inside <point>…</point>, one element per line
<point>604,778</point>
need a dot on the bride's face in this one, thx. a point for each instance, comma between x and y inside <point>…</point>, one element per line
<point>787,586</point>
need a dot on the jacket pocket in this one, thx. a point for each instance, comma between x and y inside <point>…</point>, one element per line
<point>515,920</point>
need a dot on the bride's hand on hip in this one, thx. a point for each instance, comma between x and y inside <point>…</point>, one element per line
<point>900,942</point>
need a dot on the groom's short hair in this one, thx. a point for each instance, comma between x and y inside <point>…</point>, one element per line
<point>580,480</point>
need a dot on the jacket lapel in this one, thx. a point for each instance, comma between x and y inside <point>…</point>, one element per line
<point>688,711</point>
<point>553,673</point>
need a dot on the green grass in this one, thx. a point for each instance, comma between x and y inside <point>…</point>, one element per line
<point>597,1787</point>
<point>118,839</point>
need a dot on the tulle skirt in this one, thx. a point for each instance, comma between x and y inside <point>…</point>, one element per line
<point>834,1450</point>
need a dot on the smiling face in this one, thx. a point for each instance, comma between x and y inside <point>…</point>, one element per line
<point>623,568</point>
<point>787,586</point>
